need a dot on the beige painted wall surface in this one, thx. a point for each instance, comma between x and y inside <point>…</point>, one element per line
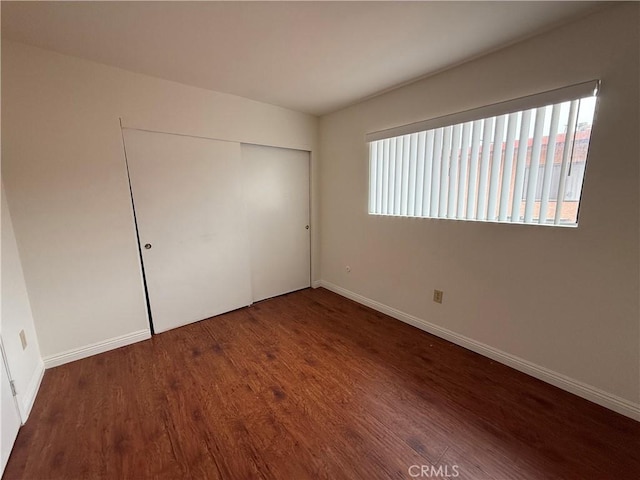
<point>562,298</point>
<point>64,172</point>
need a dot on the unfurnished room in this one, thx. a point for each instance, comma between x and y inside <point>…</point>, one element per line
<point>290,240</point>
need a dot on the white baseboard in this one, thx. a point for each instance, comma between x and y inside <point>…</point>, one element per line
<point>27,399</point>
<point>605,399</point>
<point>95,348</point>
<point>316,284</point>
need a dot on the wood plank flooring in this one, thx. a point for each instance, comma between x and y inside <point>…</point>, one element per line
<point>312,386</point>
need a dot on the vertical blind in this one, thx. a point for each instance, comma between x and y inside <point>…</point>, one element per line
<point>521,161</point>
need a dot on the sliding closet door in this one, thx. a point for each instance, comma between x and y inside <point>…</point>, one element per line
<point>277,193</point>
<point>190,211</point>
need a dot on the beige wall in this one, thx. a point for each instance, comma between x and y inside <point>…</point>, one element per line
<point>24,364</point>
<point>562,299</point>
<point>64,172</point>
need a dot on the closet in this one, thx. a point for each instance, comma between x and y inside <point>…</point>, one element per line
<point>220,224</point>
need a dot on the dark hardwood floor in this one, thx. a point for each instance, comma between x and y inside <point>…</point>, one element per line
<point>312,386</point>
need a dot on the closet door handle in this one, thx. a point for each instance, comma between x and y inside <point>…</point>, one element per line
<point>147,246</point>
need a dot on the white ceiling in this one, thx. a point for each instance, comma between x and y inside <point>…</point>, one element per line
<point>315,57</point>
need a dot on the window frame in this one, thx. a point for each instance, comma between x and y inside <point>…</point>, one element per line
<point>502,114</point>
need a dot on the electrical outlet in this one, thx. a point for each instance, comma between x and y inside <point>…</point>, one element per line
<point>23,339</point>
<point>437,296</point>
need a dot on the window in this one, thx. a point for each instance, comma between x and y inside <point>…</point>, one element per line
<point>520,161</point>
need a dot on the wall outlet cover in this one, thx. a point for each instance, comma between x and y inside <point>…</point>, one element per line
<point>437,296</point>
